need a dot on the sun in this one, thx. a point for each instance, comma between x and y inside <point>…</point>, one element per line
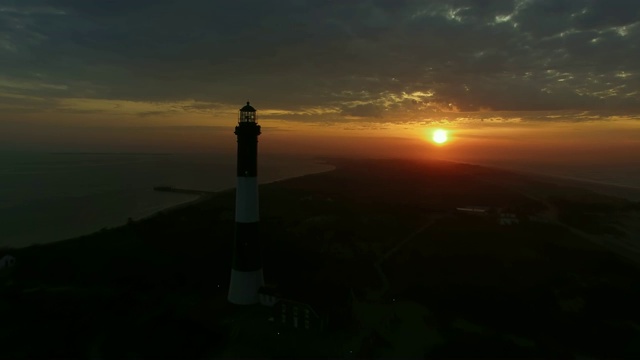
<point>439,136</point>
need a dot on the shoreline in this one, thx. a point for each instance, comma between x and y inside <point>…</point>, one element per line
<point>211,194</point>
<point>171,208</point>
<point>626,192</point>
<point>162,205</point>
<point>180,205</point>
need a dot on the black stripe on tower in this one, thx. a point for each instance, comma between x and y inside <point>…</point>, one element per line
<point>247,149</point>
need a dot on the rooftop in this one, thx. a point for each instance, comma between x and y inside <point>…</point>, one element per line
<point>321,297</point>
<point>248,108</point>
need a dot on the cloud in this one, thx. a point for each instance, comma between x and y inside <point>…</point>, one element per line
<point>343,59</point>
<point>364,110</point>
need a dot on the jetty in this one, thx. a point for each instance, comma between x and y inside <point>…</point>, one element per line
<point>181,191</point>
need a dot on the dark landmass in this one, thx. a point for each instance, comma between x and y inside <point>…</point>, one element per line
<point>559,278</point>
<point>107,153</point>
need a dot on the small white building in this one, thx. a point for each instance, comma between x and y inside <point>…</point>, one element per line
<point>7,261</point>
<point>268,295</point>
<point>508,219</point>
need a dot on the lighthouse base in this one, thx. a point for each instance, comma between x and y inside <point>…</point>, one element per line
<point>244,286</point>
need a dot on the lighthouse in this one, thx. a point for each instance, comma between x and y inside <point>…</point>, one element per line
<point>246,270</point>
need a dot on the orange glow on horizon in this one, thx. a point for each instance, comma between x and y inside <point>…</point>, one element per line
<point>191,126</point>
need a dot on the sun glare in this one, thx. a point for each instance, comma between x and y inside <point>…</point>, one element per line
<point>439,136</point>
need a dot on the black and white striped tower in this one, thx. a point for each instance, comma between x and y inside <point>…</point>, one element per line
<point>246,271</point>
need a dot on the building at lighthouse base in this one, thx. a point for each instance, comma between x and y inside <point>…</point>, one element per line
<point>310,307</point>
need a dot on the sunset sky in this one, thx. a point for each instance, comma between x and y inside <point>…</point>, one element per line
<point>522,79</point>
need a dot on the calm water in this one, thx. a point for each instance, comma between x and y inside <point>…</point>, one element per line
<point>49,197</point>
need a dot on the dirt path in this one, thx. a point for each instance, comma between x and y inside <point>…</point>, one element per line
<point>377,265</point>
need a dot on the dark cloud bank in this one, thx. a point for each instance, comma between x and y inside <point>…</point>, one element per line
<point>360,58</point>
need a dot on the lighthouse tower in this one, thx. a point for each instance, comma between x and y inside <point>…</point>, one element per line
<point>246,271</point>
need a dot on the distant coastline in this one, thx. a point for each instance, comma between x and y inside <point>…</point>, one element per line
<point>606,188</point>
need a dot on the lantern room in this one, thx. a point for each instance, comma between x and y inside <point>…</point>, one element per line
<point>247,114</point>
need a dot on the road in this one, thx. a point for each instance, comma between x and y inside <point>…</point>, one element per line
<point>384,257</point>
<point>407,239</point>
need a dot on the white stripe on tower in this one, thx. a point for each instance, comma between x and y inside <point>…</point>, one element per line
<point>245,286</point>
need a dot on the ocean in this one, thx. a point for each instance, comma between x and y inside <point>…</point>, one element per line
<point>46,197</point>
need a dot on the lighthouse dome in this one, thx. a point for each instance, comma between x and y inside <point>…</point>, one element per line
<point>248,108</point>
